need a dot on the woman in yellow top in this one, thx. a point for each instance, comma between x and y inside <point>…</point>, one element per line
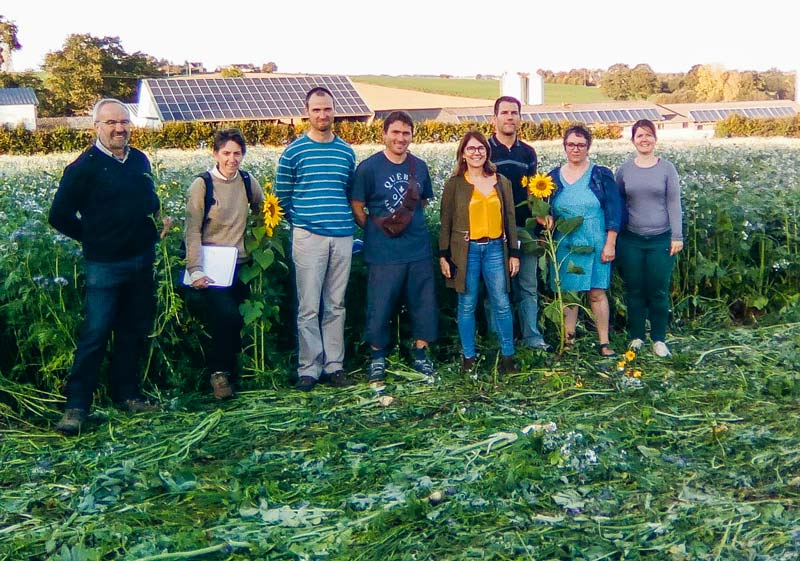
<point>478,239</point>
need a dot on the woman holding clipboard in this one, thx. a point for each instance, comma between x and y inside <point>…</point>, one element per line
<point>214,236</point>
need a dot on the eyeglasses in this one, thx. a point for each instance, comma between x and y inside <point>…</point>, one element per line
<point>113,123</point>
<point>475,149</point>
<point>578,145</point>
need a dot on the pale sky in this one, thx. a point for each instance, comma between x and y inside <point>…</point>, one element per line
<point>423,36</point>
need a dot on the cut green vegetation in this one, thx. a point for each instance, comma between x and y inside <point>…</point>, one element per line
<point>577,457</point>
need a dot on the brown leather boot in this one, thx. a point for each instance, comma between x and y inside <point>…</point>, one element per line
<point>467,364</point>
<point>221,385</point>
<point>507,365</point>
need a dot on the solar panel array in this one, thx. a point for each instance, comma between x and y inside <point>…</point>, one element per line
<point>218,99</point>
<point>588,117</point>
<point>752,112</point>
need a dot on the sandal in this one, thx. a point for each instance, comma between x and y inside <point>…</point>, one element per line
<point>569,341</point>
<point>604,350</point>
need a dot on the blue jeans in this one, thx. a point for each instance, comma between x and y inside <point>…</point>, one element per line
<point>525,295</point>
<point>120,298</point>
<point>486,260</point>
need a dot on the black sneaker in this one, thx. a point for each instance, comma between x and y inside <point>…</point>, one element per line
<point>305,383</point>
<point>377,370</point>
<point>70,424</point>
<point>424,366</point>
<point>340,380</point>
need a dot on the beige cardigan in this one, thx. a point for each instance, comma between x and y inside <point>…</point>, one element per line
<point>227,218</point>
<point>454,235</point>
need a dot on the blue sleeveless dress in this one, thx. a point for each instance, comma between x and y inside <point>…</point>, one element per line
<point>577,199</point>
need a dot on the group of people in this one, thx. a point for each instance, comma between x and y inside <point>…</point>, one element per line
<point>106,200</point>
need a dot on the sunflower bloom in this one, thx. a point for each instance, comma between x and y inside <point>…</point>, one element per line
<point>621,365</point>
<point>637,373</point>
<point>273,213</point>
<point>524,181</point>
<point>540,186</point>
<point>630,355</point>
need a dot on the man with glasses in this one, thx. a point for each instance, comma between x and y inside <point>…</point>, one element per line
<point>106,200</point>
<point>515,159</point>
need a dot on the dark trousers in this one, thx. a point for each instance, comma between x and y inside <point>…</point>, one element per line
<point>218,309</point>
<point>646,267</point>
<point>120,299</point>
<point>387,284</point>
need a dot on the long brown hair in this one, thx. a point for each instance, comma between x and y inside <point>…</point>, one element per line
<point>461,164</point>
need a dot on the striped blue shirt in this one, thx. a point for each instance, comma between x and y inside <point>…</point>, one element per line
<point>312,183</point>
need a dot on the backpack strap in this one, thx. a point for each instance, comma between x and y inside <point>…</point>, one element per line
<point>247,186</point>
<point>208,198</point>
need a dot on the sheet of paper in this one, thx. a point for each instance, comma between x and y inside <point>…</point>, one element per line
<point>219,263</point>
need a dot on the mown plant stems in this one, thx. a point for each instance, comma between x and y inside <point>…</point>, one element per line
<point>226,547</point>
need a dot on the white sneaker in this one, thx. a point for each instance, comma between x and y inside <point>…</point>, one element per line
<point>661,349</point>
<point>636,344</point>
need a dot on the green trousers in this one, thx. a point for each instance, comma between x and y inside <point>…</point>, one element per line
<point>646,266</point>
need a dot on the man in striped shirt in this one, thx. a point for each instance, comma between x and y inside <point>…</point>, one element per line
<point>312,181</point>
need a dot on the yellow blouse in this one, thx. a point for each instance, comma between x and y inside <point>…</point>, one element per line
<point>485,215</point>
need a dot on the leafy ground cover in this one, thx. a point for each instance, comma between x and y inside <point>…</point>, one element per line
<point>696,457</point>
<point>482,89</point>
<point>570,459</point>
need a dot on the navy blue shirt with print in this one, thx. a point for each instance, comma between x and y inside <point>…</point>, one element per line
<point>380,184</point>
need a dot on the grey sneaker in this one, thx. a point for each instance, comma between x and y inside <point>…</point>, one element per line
<point>221,385</point>
<point>377,370</point>
<point>70,424</point>
<point>424,366</point>
<point>635,344</point>
<point>661,350</point>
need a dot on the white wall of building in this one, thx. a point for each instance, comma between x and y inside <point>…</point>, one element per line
<point>527,87</point>
<point>15,115</point>
<point>147,116</point>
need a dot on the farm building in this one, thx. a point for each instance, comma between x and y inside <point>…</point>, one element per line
<point>18,107</point>
<point>268,97</point>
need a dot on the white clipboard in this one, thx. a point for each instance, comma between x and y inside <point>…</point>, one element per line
<point>219,263</point>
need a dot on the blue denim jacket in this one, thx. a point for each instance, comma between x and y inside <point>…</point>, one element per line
<point>604,187</point>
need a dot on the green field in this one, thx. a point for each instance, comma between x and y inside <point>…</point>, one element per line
<point>483,89</point>
<point>574,458</point>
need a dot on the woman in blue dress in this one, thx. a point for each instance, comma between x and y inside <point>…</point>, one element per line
<point>587,190</point>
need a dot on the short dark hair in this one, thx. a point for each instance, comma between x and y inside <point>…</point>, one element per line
<point>319,90</point>
<point>401,116</point>
<point>506,99</point>
<point>643,124</point>
<point>223,136</point>
<point>579,130</point>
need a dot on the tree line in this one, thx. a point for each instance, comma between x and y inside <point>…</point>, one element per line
<point>700,84</point>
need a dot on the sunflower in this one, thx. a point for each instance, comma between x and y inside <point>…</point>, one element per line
<point>540,186</point>
<point>621,365</point>
<point>273,213</point>
<point>630,355</point>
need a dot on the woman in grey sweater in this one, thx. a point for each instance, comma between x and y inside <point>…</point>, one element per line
<point>653,235</point>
